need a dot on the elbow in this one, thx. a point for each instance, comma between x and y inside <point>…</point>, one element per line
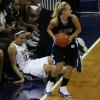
<point>80,30</point>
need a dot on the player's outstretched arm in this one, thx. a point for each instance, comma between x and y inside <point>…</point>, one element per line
<point>12,57</point>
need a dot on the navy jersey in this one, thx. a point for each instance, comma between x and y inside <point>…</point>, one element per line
<point>68,27</point>
<point>69,53</point>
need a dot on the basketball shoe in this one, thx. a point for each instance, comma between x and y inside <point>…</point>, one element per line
<point>49,88</point>
<point>64,92</point>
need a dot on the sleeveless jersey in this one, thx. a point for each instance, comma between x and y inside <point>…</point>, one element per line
<point>28,66</point>
<point>68,27</point>
<point>69,53</point>
<point>22,56</point>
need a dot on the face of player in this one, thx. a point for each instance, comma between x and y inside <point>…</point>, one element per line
<point>20,39</point>
<point>67,11</point>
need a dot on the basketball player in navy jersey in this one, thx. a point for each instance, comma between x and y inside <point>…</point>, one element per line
<point>23,66</point>
<point>68,23</point>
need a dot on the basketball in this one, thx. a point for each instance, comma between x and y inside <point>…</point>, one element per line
<point>61,39</point>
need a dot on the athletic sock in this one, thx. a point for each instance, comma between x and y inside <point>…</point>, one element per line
<point>64,82</point>
<point>52,79</point>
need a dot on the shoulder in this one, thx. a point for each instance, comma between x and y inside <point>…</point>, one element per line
<point>54,21</point>
<point>11,47</point>
<point>73,17</point>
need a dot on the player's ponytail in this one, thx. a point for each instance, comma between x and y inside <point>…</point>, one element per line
<point>59,7</point>
<point>55,12</point>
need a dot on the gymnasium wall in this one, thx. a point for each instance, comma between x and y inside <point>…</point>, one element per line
<point>90,21</point>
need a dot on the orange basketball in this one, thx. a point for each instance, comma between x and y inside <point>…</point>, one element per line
<point>61,39</point>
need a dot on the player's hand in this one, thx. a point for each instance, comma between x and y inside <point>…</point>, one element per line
<point>70,39</point>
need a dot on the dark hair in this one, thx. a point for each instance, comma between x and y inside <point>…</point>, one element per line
<point>13,1</point>
<point>3,4</point>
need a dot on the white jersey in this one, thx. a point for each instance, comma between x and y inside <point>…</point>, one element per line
<point>22,55</point>
<point>28,66</point>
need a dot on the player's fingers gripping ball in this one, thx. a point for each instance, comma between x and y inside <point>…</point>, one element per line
<point>61,39</point>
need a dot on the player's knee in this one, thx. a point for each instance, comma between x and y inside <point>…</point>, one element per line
<point>47,68</point>
<point>50,59</point>
<point>57,70</point>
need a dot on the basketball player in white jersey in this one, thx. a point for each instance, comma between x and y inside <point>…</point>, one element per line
<point>23,65</point>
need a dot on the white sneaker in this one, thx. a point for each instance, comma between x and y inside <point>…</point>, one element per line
<point>64,92</point>
<point>49,87</point>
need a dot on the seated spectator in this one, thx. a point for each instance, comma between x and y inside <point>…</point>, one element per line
<point>34,11</point>
<point>30,13</point>
<point>23,66</point>
<point>13,11</point>
<point>7,25</point>
<point>4,28</point>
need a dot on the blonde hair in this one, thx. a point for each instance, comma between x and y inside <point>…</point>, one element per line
<point>59,7</point>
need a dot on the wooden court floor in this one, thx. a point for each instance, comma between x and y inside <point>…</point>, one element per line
<point>85,85</point>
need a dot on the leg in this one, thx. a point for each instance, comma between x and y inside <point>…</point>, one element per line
<point>68,72</point>
<point>54,73</point>
<point>66,77</point>
<point>70,61</point>
<point>49,68</point>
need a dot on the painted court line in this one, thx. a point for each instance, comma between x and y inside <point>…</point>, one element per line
<point>59,81</point>
<point>97,41</point>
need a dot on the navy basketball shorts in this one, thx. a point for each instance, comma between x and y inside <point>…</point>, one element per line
<point>68,54</point>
